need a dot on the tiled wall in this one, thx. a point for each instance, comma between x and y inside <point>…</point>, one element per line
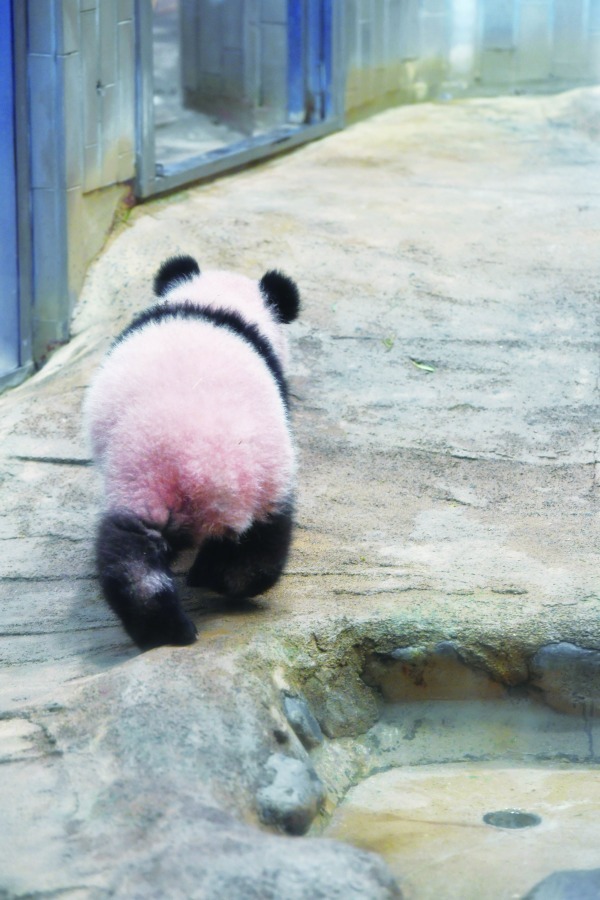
<point>106,46</point>
<point>527,41</point>
<point>395,49</point>
<point>407,50</point>
<point>82,117</point>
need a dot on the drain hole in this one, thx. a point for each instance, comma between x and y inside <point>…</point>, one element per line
<point>511,818</point>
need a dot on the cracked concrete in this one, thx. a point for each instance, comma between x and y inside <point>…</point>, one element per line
<point>445,385</point>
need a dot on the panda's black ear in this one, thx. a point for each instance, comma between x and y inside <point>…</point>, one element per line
<point>281,294</point>
<point>173,271</point>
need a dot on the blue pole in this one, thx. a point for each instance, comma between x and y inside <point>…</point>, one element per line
<point>296,100</point>
<point>327,56</point>
<point>9,288</point>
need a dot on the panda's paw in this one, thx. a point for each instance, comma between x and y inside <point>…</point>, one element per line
<point>133,567</point>
<point>242,567</point>
<point>147,603</point>
<point>221,569</point>
<point>212,565</point>
<point>185,631</point>
<point>169,627</point>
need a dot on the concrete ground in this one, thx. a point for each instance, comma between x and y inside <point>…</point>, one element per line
<point>445,383</point>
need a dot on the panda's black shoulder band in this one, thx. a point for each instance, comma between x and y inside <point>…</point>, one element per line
<point>220,318</point>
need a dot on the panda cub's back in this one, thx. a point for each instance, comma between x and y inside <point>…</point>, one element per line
<point>190,427</point>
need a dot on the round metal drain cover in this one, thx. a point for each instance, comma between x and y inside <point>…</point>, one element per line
<point>511,818</point>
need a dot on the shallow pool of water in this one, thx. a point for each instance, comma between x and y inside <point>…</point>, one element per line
<point>428,823</point>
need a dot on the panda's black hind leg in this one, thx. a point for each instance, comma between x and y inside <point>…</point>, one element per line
<point>133,566</point>
<point>247,565</point>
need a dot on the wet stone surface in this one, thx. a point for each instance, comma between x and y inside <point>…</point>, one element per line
<point>427,820</point>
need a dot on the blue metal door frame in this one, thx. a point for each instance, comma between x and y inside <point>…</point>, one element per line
<point>10,356</point>
<point>296,98</point>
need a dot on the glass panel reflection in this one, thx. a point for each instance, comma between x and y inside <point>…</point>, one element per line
<point>220,74</point>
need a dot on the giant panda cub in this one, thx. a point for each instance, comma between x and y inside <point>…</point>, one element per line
<point>188,420</point>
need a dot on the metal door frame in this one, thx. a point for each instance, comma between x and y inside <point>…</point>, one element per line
<point>15,253</point>
<point>314,59</point>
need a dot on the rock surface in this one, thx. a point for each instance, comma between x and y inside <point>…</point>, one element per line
<point>292,796</point>
<point>445,384</point>
<point>300,717</point>
<point>574,885</point>
<point>568,676</point>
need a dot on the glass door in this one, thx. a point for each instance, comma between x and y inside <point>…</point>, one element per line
<point>224,82</point>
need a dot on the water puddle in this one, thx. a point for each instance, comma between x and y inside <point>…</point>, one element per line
<point>475,830</point>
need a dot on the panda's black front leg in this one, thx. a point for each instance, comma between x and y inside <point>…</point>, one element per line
<point>249,564</point>
<point>133,567</point>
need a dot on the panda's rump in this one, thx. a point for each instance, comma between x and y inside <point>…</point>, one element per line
<point>198,430</point>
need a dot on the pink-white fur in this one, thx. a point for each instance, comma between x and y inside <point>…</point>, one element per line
<point>186,420</point>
